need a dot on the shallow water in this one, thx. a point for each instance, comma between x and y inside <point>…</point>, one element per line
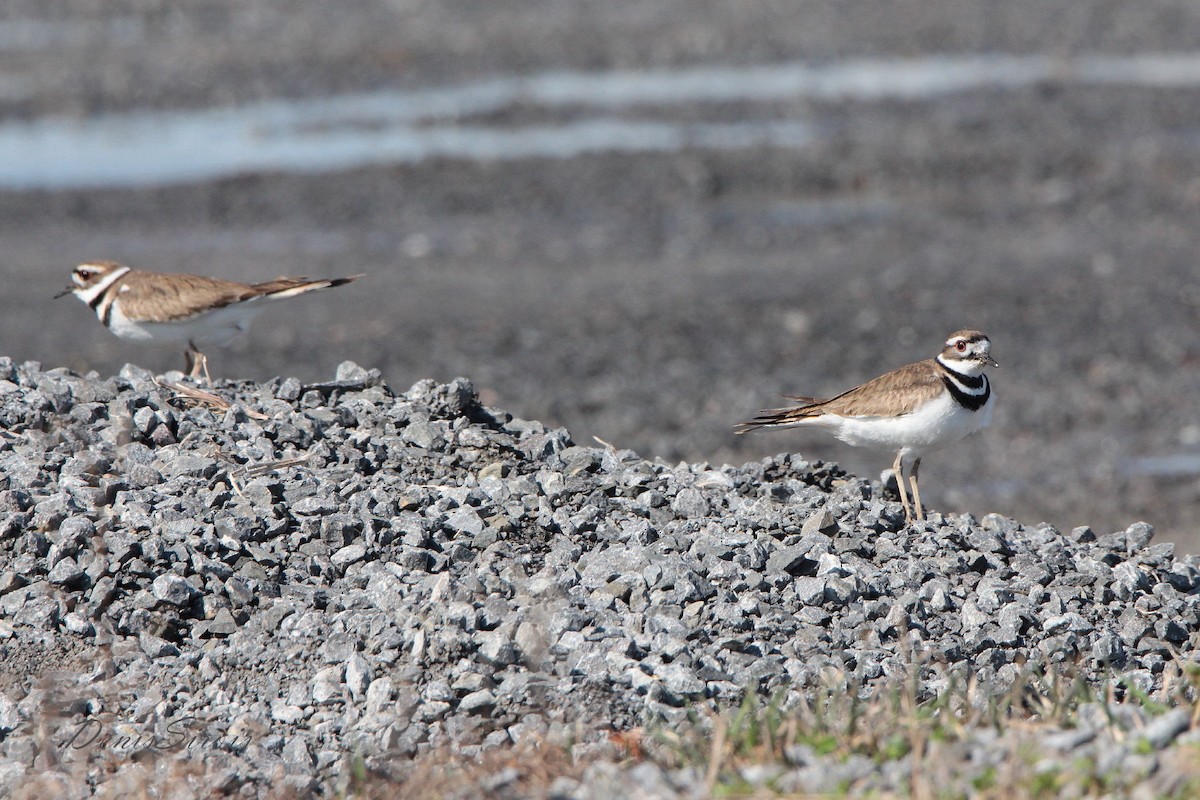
<point>1178,465</point>
<point>144,148</point>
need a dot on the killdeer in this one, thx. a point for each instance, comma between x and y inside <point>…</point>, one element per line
<point>914,409</point>
<point>179,309</point>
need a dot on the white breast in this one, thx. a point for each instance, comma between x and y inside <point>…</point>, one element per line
<point>933,425</point>
<point>218,327</point>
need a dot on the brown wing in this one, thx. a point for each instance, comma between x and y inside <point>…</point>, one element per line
<point>290,287</point>
<point>892,394</point>
<point>163,297</point>
<point>169,297</point>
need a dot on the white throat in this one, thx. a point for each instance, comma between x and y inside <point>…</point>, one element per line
<point>89,294</point>
<point>970,368</point>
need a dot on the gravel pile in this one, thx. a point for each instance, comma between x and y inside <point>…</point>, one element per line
<point>321,578</point>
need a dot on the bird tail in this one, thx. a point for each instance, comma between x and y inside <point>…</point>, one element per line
<point>781,417</point>
<point>291,287</point>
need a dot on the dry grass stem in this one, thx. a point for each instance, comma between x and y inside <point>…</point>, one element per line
<point>199,397</point>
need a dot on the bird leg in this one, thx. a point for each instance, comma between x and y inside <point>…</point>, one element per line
<point>195,363</point>
<point>916,491</point>
<point>898,467</point>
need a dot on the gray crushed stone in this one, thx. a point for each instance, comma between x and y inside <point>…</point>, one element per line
<point>325,572</point>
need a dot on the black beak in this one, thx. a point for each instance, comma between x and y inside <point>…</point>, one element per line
<point>65,292</point>
<point>989,361</point>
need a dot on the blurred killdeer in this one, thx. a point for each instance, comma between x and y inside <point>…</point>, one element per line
<point>913,410</point>
<point>179,309</point>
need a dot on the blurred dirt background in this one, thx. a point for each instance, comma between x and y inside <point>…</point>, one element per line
<point>654,299</point>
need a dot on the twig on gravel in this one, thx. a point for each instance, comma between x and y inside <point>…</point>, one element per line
<point>606,444</point>
<point>200,397</point>
<point>716,756</point>
<point>238,475</point>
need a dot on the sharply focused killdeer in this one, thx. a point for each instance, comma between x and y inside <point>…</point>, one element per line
<point>913,410</point>
<point>179,309</point>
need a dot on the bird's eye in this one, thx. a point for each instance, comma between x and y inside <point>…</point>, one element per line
<point>960,346</point>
